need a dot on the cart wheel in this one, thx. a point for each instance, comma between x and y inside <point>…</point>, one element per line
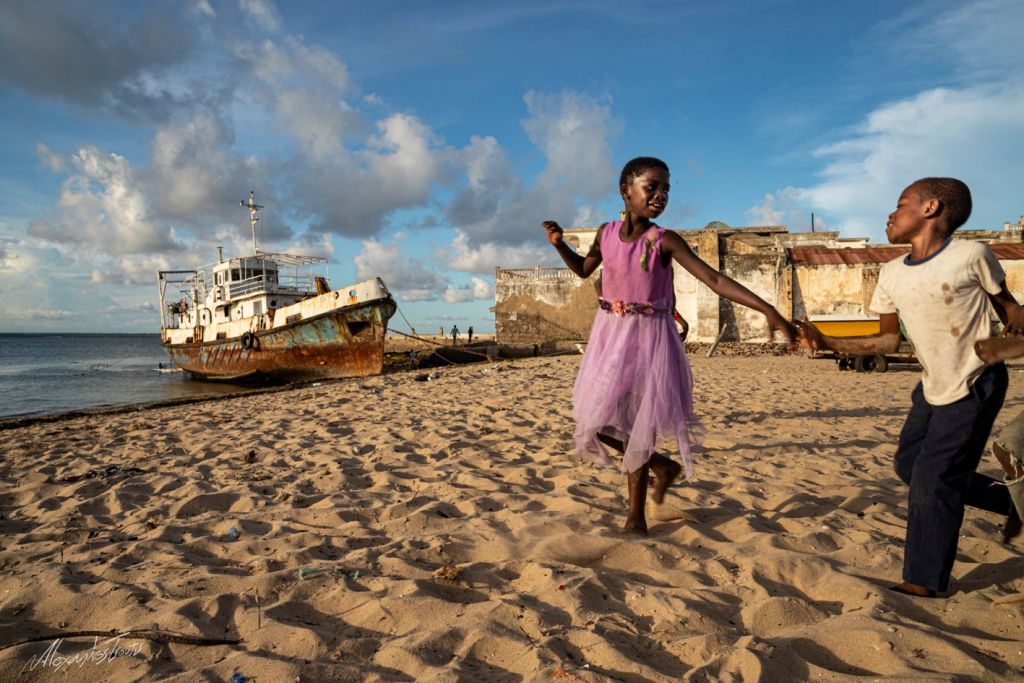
<point>874,363</point>
<point>864,363</point>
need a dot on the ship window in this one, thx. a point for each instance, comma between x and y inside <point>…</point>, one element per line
<point>238,312</point>
<point>273,303</point>
<point>234,275</point>
<point>354,328</point>
<point>222,335</point>
<point>257,308</point>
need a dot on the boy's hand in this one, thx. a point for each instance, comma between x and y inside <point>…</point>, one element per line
<point>809,336</point>
<point>776,323</point>
<point>554,232</point>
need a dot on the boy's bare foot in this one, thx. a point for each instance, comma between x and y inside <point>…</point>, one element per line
<point>913,589</point>
<point>997,349</point>
<point>635,526</point>
<point>665,471</point>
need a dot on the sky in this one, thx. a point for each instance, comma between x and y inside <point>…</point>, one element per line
<point>424,142</point>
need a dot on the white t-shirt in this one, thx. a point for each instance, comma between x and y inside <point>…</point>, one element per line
<point>942,304</point>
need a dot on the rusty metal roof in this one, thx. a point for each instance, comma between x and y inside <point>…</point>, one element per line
<point>1012,251</point>
<point>818,256</point>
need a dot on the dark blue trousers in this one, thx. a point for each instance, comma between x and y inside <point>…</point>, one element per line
<point>939,449</point>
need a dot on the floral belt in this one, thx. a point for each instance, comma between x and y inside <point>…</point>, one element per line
<point>621,308</point>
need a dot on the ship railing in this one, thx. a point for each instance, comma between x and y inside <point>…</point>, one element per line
<point>191,288</point>
<point>297,285</point>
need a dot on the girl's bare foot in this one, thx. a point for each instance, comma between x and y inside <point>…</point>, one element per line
<point>665,471</point>
<point>635,526</point>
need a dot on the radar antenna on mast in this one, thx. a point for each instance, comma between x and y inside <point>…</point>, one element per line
<point>253,208</point>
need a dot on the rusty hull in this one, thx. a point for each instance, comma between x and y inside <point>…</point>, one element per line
<point>347,342</point>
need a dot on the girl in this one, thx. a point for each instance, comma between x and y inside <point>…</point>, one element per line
<point>634,381</point>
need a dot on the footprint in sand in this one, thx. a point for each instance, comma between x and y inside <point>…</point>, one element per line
<point>669,513</point>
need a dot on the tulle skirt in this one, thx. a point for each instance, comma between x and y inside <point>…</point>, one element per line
<point>635,385</point>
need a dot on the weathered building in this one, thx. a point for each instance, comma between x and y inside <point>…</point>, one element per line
<point>817,275</point>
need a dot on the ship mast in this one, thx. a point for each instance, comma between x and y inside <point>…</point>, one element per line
<point>253,208</point>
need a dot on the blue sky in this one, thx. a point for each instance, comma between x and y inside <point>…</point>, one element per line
<point>425,142</point>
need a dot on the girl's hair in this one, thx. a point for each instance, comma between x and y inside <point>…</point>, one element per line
<point>637,166</point>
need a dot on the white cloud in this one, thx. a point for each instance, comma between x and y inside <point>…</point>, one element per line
<point>497,217</point>
<point>478,289</point>
<point>52,160</point>
<point>102,204</point>
<point>574,131</point>
<point>262,13</point>
<point>484,258</point>
<point>409,279</point>
<point>975,134</point>
<point>785,207</point>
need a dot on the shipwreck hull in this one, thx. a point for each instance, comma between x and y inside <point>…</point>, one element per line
<point>347,342</point>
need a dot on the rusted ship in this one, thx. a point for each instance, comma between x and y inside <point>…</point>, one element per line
<point>271,317</point>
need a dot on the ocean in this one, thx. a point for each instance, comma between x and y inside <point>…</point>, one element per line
<point>41,374</point>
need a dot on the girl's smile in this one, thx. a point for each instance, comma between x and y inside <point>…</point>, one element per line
<point>647,195</point>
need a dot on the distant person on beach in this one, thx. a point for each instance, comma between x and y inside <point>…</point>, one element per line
<point>634,382</point>
<point>469,335</point>
<point>455,334</point>
<point>941,294</point>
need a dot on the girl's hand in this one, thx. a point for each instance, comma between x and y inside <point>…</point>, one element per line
<point>776,323</point>
<point>554,232</point>
<point>1014,321</point>
<point>810,336</point>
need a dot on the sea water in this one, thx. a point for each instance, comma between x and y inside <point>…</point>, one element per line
<point>42,374</point>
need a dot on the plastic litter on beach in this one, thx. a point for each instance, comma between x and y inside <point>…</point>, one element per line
<point>238,678</point>
<point>233,533</point>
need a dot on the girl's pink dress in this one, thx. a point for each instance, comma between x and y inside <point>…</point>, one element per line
<point>634,382</point>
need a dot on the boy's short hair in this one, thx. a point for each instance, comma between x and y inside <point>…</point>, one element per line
<point>635,167</point>
<point>954,196</point>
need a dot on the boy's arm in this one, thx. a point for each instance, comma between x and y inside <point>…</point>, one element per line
<point>1009,311</point>
<point>886,341</point>
<point>723,285</point>
<point>582,266</point>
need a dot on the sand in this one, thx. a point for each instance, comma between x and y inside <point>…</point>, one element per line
<point>389,529</point>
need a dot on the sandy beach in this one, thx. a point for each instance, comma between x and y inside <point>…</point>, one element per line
<point>394,529</point>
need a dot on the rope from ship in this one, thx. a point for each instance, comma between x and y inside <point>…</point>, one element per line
<point>431,341</point>
<point>445,346</point>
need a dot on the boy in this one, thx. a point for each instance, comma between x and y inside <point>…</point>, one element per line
<point>941,294</point>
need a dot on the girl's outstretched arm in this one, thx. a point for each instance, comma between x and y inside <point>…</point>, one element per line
<point>723,285</point>
<point>582,266</point>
